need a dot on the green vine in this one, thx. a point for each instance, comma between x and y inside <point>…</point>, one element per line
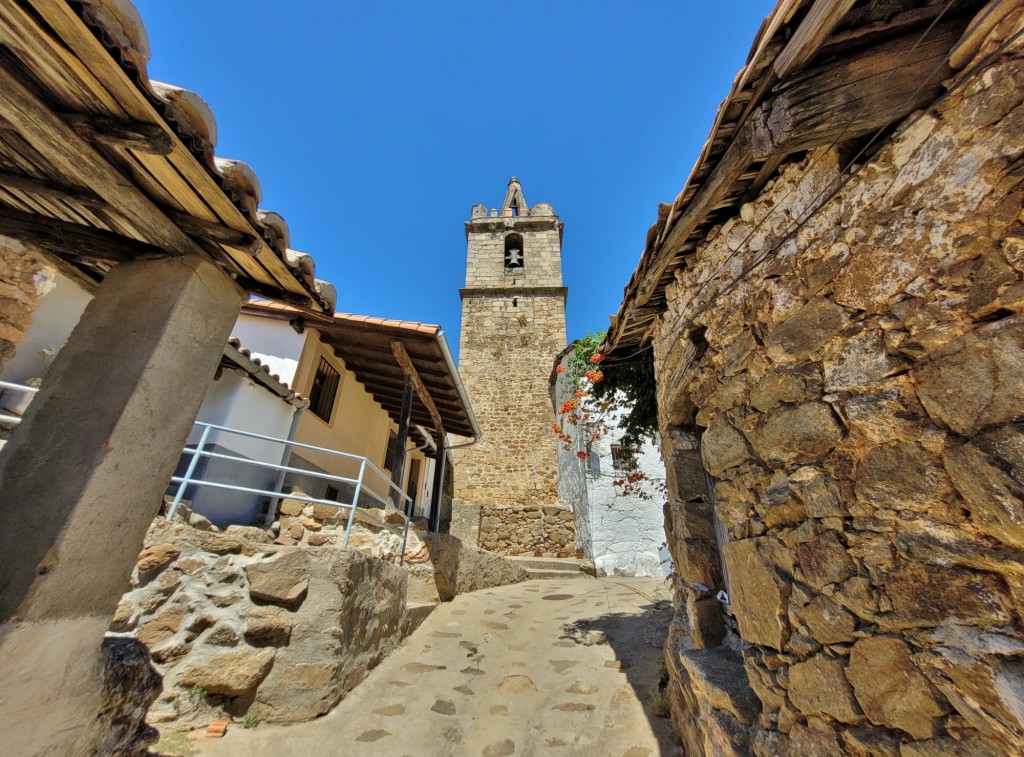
<point>596,388</point>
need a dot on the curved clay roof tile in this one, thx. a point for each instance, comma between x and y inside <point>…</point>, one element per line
<point>192,115</point>
<point>241,181</point>
<point>276,228</point>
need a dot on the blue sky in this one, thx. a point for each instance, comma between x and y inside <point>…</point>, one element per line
<point>374,127</point>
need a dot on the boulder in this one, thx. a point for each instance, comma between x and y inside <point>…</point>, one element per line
<point>252,533</point>
<point>806,330</point>
<point>890,689</point>
<point>723,447</point>
<point>162,627</point>
<point>230,674</point>
<point>283,579</point>
<point>267,627</point>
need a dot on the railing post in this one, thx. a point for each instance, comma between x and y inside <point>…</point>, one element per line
<point>355,501</point>
<point>196,454</point>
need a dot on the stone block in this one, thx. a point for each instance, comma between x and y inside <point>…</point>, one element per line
<point>718,679</point>
<point>760,595</point>
<point>283,579</point>
<point>891,691</point>
<point>819,687</point>
<point>230,674</point>
<point>824,560</point>
<point>802,434</point>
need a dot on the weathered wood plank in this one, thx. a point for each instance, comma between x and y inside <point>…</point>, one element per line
<point>57,143</point>
<point>148,138</point>
<point>45,188</point>
<point>855,96</point>
<point>417,383</point>
<point>217,233</point>
<point>68,239</point>
<point>822,17</point>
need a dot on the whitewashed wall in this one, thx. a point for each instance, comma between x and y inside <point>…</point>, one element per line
<point>275,343</point>
<point>56,316</point>
<point>623,535</point>
<point>238,402</point>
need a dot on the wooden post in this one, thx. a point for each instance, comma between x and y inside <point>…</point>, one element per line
<point>437,492</point>
<point>398,468</point>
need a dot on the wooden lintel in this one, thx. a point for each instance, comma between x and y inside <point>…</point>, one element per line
<point>414,378</point>
<point>216,232</point>
<point>115,132</point>
<point>49,190</point>
<point>65,239</point>
<point>844,99</point>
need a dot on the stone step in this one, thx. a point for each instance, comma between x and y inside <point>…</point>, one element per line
<point>536,573</point>
<point>549,563</point>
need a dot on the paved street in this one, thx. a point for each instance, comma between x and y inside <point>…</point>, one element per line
<point>538,668</point>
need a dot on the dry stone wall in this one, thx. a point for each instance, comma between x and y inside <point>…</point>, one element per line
<point>860,398</point>
<point>546,529</point>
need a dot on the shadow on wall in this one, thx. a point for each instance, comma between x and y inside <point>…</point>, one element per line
<point>636,643</point>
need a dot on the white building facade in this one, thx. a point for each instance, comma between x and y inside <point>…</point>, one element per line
<point>623,533</point>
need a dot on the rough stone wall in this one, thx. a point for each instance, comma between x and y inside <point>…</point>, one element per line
<point>547,529</point>
<point>240,626</point>
<point>861,398</point>
<point>24,278</point>
<point>508,343</point>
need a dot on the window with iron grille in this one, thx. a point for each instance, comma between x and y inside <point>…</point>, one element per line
<point>325,387</point>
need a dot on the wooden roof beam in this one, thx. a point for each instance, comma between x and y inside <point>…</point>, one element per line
<point>115,132</point>
<point>845,99</point>
<point>65,239</point>
<point>414,378</point>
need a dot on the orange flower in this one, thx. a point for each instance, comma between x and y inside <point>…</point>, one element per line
<point>582,455</point>
<point>597,357</point>
<point>560,369</point>
<point>580,393</point>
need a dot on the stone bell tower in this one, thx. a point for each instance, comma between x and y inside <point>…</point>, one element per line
<point>513,325</point>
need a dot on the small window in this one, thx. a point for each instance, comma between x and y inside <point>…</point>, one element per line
<point>621,459</point>
<point>389,453</point>
<point>325,388</point>
<point>332,493</point>
<point>514,255</point>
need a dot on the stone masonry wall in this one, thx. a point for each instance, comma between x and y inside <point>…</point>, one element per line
<point>24,278</point>
<point>542,260</point>
<point>527,529</point>
<point>508,343</point>
<point>861,400</point>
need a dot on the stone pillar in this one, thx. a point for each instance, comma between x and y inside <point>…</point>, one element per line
<point>82,478</point>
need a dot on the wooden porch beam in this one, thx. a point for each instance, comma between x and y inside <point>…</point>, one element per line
<point>72,240</point>
<point>417,383</point>
<point>49,190</point>
<point>217,233</point>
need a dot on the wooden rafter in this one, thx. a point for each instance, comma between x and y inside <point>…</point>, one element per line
<point>417,384</point>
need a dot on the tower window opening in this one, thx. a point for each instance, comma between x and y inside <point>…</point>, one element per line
<point>514,253</point>
<point>515,302</point>
<point>515,208</point>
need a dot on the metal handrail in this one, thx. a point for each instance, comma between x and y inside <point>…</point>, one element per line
<point>313,447</point>
<point>200,451</point>
<point>15,419</point>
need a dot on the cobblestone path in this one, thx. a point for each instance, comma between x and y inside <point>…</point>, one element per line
<point>538,668</point>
